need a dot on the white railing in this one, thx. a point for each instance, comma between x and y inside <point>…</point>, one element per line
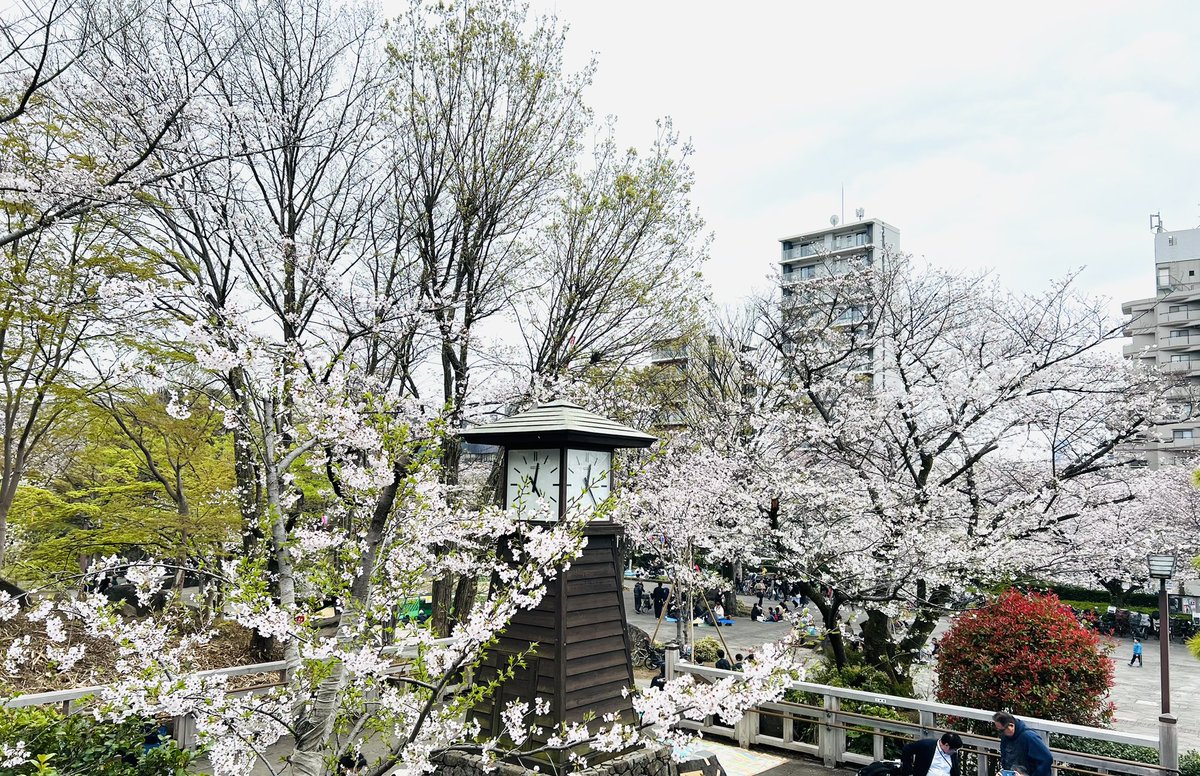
<point>183,726</point>
<point>778,725</point>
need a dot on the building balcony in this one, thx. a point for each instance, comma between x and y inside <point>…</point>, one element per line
<point>1139,351</point>
<point>1183,317</point>
<point>1179,343</point>
<point>668,355</point>
<point>1182,368</point>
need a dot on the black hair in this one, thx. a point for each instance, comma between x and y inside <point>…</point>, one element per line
<point>1004,718</point>
<point>953,740</point>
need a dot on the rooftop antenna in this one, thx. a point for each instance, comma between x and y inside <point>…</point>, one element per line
<point>859,213</point>
<point>1156,222</point>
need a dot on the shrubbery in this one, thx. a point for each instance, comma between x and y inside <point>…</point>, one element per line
<point>705,650</point>
<point>1029,654</point>
<point>78,744</point>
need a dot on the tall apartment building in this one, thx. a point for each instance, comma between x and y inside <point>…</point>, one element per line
<point>833,251</point>
<point>1165,331</point>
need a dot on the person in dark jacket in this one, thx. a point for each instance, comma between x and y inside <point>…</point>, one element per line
<point>1021,746</point>
<point>931,756</point>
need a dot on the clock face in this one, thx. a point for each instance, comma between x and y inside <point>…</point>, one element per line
<point>588,477</point>
<point>533,479</point>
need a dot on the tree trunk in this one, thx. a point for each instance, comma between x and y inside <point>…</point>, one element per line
<point>464,597</point>
<point>443,600</point>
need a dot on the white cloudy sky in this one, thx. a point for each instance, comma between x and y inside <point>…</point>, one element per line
<point>1029,139</point>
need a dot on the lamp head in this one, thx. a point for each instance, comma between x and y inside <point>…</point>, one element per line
<point>1161,566</point>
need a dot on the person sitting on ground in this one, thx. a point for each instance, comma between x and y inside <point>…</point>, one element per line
<point>756,613</point>
<point>718,613</point>
<point>1021,746</point>
<point>738,662</point>
<point>723,662</point>
<point>932,756</point>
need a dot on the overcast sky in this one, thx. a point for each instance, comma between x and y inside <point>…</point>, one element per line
<point>1031,139</point>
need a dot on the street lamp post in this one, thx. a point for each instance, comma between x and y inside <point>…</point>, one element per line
<point>1162,568</point>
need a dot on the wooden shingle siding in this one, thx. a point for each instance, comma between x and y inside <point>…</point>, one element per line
<point>581,662</point>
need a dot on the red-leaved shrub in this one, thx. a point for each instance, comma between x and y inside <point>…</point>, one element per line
<point>1029,654</point>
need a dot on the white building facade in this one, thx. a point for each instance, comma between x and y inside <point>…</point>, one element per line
<point>1164,330</point>
<point>831,252</point>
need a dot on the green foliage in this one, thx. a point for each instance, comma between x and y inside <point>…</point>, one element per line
<point>1189,763</point>
<point>1092,596</point>
<point>705,650</point>
<point>857,676</point>
<point>1029,654</point>
<point>134,478</point>
<point>1138,754</point>
<point>77,744</point>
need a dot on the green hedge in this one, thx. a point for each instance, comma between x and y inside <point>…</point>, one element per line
<point>80,744</point>
<point>1076,593</point>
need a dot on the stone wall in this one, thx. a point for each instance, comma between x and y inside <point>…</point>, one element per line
<point>642,762</point>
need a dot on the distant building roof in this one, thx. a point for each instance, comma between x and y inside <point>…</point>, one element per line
<point>558,421</point>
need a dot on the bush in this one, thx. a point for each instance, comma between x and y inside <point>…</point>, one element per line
<point>1027,654</point>
<point>705,650</point>
<point>86,746</point>
<point>1137,754</point>
<point>1189,764</point>
<point>858,676</point>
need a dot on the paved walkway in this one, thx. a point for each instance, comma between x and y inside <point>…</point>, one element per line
<point>757,762</point>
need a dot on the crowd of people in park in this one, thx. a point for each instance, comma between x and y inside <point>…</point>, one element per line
<point>709,606</point>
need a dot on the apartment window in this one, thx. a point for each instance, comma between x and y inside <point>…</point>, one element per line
<point>1170,239</point>
<point>850,315</point>
<point>1179,334</point>
<point>1183,357</point>
<point>1177,308</point>
<point>787,292</point>
<point>1182,433</point>
<point>860,238</point>
<point>807,272</point>
<point>808,249</point>
<point>1164,277</point>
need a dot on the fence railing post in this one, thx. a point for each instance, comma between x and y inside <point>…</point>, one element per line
<point>825,737</point>
<point>747,729</point>
<point>672,658</point>
<point>927,723</point>
<point>1168,743</point>
<point>877,744</point>
<point>981,764</point>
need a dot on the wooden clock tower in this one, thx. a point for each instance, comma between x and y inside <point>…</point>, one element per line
<point>560,455</point>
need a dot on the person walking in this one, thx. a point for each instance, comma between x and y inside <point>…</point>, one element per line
<point>760,590</point>
<point>1021,746</point>
<point>1137,653</point>
<point>931,756</point>
<point>638,591</point>
<point>659,596</point>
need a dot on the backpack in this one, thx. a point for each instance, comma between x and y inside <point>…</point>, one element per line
<point>880,768</point>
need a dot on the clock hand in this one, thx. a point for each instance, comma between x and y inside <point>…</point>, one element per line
<point>536,492</point>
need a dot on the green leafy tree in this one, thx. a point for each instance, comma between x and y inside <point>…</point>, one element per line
<point>140,480</point>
